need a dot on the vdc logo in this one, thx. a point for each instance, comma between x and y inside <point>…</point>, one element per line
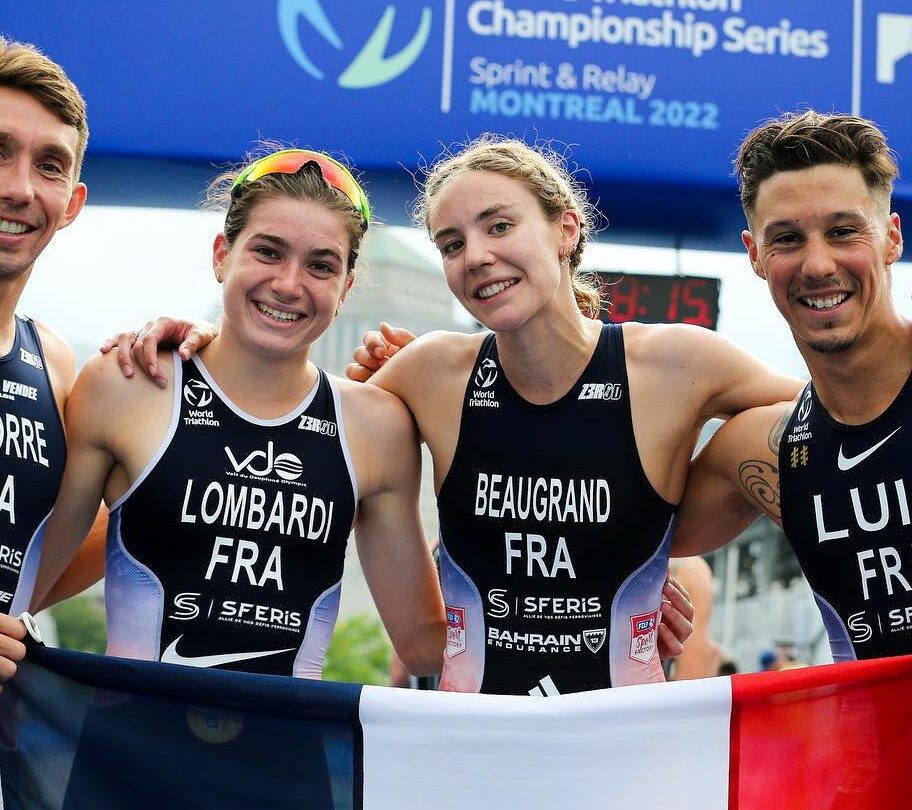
<point>303,21</point>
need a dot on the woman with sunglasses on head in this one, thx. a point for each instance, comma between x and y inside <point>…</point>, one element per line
<point>560,444</point>
<point>233,491</point>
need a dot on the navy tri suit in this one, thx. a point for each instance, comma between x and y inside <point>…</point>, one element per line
<point>845,495</point>
<point>33,456</point>
<point>554,545</point>
<point>227,551</point>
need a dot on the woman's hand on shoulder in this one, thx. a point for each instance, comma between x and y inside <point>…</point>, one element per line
<point>433,351</point>
<point>377,346</point>
<point>427,361</point>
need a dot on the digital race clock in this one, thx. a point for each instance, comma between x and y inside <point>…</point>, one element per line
<point>660,299</point>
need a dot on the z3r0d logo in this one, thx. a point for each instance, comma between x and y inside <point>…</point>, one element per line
<point>371,66</point>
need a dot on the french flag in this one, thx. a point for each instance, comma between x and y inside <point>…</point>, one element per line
<point>83,731</point>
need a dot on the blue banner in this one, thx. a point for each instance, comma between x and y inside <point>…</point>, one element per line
<point>646,90</point>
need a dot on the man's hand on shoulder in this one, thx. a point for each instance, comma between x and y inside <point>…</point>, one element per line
<point>142,345</point>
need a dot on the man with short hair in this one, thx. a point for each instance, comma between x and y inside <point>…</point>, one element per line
<point>43,135</point>
<point>831,468</point>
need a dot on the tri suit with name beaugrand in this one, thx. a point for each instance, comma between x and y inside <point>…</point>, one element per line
<point>554,545</point>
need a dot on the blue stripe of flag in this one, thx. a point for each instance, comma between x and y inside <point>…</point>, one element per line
<point>86,731</point>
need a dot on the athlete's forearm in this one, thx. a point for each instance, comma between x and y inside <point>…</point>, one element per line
<point>86,568</point>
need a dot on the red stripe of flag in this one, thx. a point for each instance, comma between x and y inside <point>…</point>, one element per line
<point>834,737</point>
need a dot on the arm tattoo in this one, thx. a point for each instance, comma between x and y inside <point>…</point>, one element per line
<point>760,481</point>
<point>777,431</point>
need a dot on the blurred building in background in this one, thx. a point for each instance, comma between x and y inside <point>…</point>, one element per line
<point>406,288</point>
<point>762,600</point>
<point>398,284</point>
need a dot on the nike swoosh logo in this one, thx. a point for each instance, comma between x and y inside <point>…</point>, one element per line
<point>172,656</point>
<point>847,463</point>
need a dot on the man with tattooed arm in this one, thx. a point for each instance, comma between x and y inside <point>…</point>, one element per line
<point>832,467</point>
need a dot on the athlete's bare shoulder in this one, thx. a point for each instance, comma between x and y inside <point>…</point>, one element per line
<point>369,404</point>
<point>756,431</point>
<point>441,349</point>
<point>52,342</point>
<point>670,343</point>
<point>124,417</point>
<point>748,446</point>
<point>777,416</point>
<point>60,359</point>
<point>720,378</point>
<point>381,434</point>
<point>101,378</point>
<point>677,352</point>
<point>734,478</point>
<point>434,359</point>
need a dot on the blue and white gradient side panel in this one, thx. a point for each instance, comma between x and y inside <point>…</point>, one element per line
<point>464,655</point>
<point>134,601</point>
<point>635,617</point>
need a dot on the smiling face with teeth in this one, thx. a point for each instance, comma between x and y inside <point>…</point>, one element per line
<point>500,252</point>
<point>824,243</point>
<point>38,193</point>
<point>285,275</point>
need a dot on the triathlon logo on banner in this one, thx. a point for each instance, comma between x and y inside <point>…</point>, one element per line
<point>371,66</point>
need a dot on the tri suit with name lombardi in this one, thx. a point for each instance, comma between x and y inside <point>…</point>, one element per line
<point>227,550</point>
